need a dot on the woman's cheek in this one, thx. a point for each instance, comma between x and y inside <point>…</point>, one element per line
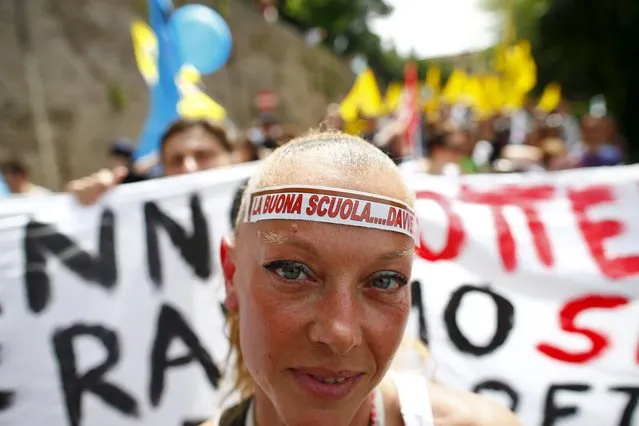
<point>386,325</point>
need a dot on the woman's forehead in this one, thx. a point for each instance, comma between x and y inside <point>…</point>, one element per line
<point>324,240</point>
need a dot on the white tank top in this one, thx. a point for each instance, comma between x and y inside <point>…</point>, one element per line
<point>414,399</point>
<point>413,395</point>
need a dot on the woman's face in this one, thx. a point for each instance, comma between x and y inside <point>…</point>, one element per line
<point>193,150</point>
<point>322,311</point>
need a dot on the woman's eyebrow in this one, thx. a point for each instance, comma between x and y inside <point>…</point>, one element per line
<point>407,252</point>
<point>270,237</point>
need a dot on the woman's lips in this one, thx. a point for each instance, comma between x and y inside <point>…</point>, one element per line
<point>326,384</point>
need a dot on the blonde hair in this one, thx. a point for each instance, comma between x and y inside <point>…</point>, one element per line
<point>243,382</point>
<point>351,153</point>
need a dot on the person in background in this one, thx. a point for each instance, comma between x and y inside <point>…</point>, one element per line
<point>17,177</point>
<point>493,135</point>
<point>271,131</point>
<point>555,155</point>
<point>371,126</point>
<point>444,155</point>
<point>462,140</point>
<point>266,135</point>
<point>522,158</point>
<point>612,134</point>
<point>121,155</point>
<point>188,145</point>
<point>521,123</point>
<point>245,151</point>
<point>289,132</point>
<point>570,130</point>
<point>390,140</point>
<point>596,149</point>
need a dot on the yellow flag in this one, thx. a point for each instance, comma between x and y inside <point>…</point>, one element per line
<point>145,48</point>
<point>393,94</point>
<point>193,102</point>
<point>473,95</point>
<point>454,86</point>
<point>499,61</point>
<point>349,107</point>
<point>514,99</point>
<point>519,72</point>
<point>370,99</point>
<point>433,78</point>
<point>521,69</point>
<point>355,127</point>
<point>550,98</point>
<point>433,86</point>
<point>493,92</point>
<point>364,98</point>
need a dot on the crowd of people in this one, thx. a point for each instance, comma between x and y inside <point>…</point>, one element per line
<point>452,143</point>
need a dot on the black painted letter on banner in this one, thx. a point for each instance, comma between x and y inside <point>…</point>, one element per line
<point>631,406</point>
<point>418,301</point>
<point>171,325</point>
<point>195,249</point>
<point>497,386</point>
<point>6,397</point>
<point>552,412</point>
<point>6,400</point>
<point>74,383</point>
<point>41,238</point>
<point>194,422</point>
<point>505,321</point>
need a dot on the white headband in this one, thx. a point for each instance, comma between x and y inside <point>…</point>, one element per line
<point>331,205</point>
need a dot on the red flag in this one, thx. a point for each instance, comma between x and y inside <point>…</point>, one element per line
<point>410,105</point>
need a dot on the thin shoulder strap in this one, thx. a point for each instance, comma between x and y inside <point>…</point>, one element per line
<point>236,415</point>
<point>414,399</point>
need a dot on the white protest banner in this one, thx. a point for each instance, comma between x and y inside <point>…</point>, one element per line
<point>534,294</point>
<point>111,314</point>
<point>525,286</point>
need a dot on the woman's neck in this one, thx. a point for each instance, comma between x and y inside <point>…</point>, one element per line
<point>266,414</point>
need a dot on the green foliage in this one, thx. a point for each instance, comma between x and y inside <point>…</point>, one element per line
<point>116,96</point>
<point>346,20</point>
<point>142,8</point>
<point>522,14</point>
<point>588,46</point>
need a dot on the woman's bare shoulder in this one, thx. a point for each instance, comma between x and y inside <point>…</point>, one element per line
<point>451,407</point>
<point>462,408</point>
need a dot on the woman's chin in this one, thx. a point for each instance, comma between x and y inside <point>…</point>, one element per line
<point>299,417</point>
<point>298,409</point>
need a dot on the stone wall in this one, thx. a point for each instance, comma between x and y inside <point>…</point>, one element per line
<point>94,92</point>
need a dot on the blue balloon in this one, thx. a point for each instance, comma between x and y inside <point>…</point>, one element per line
<point>203,37</point>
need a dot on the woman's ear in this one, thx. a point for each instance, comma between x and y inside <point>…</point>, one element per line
<point>227,248</point>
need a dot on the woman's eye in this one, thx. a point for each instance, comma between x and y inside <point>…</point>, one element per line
<point>288,270</point>
<point>388,281</point>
